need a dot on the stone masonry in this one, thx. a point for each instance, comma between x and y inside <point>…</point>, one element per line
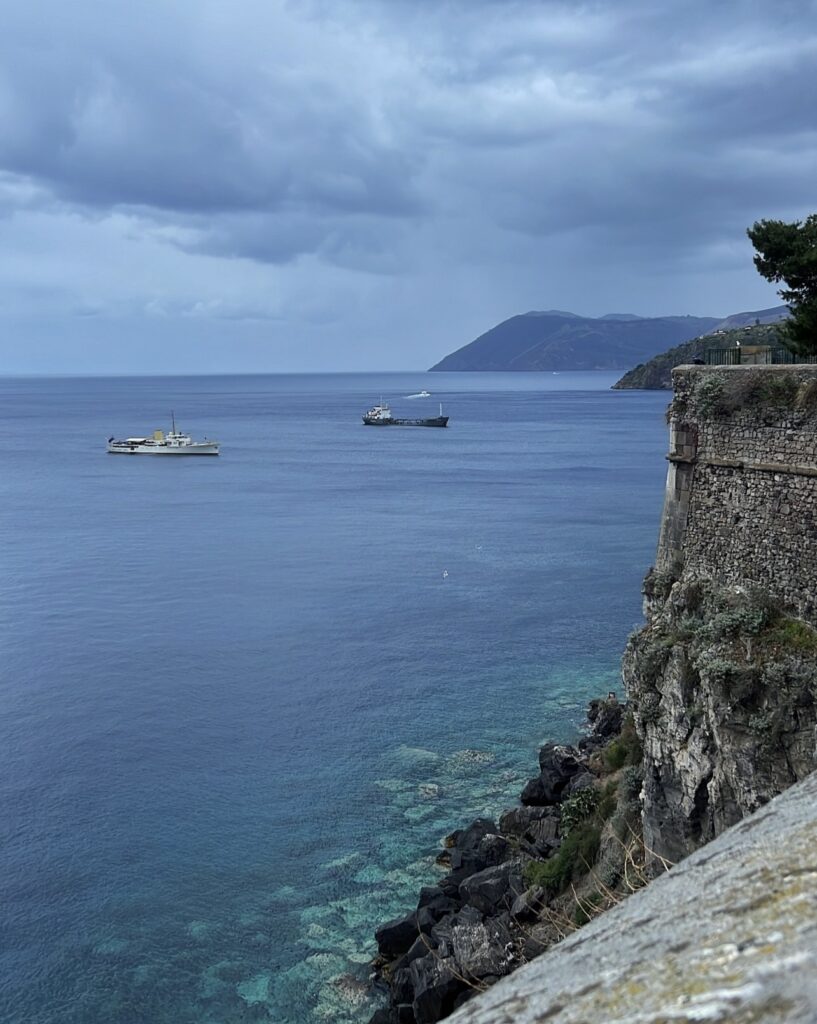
<point>741,500</point>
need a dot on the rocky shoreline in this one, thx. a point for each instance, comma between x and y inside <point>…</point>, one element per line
<point>570,850</point>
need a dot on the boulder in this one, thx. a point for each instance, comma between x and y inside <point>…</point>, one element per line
<point>449,888</point>
<point>606,718</point>
<point>492,890</point>
<point>467,838</point>
<point>402,984</point>
<point>428,894</point>
<point>395,937</point>
<point>584,780</point>
<point>528,905</point>
<point>482,948</point>
<point>436,987</point>
<point>534,793</point>
<point>477,847</point>
<point>538,938</point>
<point>421,946</point>
<point>538,826</point>
<point>558,764</point>
<point>435,901</point>
<point>442,935</point>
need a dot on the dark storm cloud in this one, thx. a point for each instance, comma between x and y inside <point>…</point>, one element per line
<point>177,120</point>
<point>318,120</point>
<point>437,155</point>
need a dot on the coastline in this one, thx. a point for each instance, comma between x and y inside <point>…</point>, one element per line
<point>515,887</point>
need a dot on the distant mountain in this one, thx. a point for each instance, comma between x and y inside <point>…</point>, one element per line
<point>556,340</point>
<point>759,316</point>
<point>656,374</point>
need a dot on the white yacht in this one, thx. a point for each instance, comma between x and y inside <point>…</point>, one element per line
<point>174,442</point>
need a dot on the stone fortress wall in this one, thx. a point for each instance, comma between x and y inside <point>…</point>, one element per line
<point>741,499</point>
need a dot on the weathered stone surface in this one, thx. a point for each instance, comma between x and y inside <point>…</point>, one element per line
<point>477,847</point>
<point>434,900</point>
<point>395,937</point>
<point>436,986</point>
<point>483,949</point>
<point>729,936</point>
<point>584,780</point>
<point>605,718</point>
<point>726,713</point>
<point>528,905</point>
<point>402,983</point>
<point>722,677</point>
<point>726,517</point>
<point>557,766</point>
<point>443,933</point>
<point>538,826</point>
<point>421,946</point>
<point>493,889</point>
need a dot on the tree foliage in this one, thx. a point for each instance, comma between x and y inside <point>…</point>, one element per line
<point>788,253</point>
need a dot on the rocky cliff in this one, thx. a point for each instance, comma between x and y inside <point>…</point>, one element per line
<point>723,677</point>
<point>720,720</point>
<point>727,937</point>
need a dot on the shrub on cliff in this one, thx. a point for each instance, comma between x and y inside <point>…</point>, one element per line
<point>795,635</point>
<point>721,395</point>
<point>625,750</point>
<point>575,858</point>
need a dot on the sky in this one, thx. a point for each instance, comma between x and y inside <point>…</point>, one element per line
<point>342,185</point>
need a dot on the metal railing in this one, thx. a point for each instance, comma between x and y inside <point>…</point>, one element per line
<point>763,355</point>
<point>722,356</point>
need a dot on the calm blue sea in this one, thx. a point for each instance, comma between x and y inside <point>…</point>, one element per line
<point>243,698</point>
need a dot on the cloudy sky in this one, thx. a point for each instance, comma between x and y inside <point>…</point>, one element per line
<point>197,185</point>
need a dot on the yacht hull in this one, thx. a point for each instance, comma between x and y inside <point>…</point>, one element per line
<point>189,449</point>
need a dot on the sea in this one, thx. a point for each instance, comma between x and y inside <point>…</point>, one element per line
<point>242,699</point>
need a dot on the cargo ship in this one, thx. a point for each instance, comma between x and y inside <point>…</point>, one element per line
<point>381,416</point>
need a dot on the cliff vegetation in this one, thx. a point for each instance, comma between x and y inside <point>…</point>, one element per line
<point>656,373</point>
<point>724,690</point>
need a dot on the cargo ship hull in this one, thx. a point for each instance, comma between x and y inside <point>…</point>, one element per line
<point>434,421</point>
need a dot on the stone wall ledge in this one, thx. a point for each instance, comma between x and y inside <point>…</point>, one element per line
<point>787,468</point>
<point>728,935</point>
<point>802,369</point>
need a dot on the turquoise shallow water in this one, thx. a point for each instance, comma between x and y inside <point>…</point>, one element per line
<point>241,700</point>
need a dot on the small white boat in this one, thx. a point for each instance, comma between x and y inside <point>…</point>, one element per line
<point>174,442</point>
<point>420,394</point>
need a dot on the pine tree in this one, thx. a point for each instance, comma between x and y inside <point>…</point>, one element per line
<point>788,253</point>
